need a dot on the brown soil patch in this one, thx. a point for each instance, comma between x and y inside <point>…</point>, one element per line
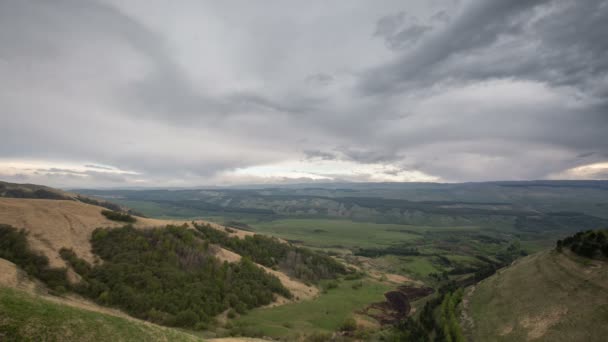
<point>366,323</point>
<point>12,276</point>
<point>506,330</point>
<point>538,325</point>
<point>397,305</point>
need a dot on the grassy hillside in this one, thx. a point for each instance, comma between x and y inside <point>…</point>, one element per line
<point>325,314</point>
<point>27,317</point>
<point>547,296</point>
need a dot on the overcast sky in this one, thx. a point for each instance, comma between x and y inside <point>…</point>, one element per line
<point>182,93</point>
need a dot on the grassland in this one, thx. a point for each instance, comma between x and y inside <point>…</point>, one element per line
<point>328,233</point>
<point>325,313</point>
<point>26,317</point>
<point>547,296</point>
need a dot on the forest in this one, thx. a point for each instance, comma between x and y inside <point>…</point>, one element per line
<point>298,262</point>
<point>169,276</point>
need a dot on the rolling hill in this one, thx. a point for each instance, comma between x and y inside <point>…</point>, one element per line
<point>548,296</point>
<point>53,223</point>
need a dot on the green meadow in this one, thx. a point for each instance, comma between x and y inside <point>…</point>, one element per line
<point>325,313</point>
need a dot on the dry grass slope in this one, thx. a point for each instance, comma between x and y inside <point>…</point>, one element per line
<point>54,224</point>
<point>547,296</point>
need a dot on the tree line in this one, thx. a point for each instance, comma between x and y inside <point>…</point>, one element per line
<point>589,243</point>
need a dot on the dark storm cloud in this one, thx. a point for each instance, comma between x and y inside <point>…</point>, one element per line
<point>397,32</point>
<point>188,91</point>
<point>561,42</point>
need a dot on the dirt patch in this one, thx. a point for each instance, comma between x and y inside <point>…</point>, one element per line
<point>397,305</point>
<point>366,323</point>
<point>505,330</point>
<point>12,276</point>
<point>466,320</point>
<point>397,279</point>
<point>538,325</point>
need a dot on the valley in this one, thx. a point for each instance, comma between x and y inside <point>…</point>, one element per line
<point>317,276</point>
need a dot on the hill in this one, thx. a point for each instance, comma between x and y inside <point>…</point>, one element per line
<point>548,296</point>
<point>137,268</point>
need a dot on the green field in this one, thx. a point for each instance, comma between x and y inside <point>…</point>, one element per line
<point>327,233</point>
<point>543,297</point>
<point>25,317</point>
<point>325,313</point>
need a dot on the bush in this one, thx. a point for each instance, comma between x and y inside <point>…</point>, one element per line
<point>349,324</point>
<point>118,216</point>
<point>186,318</point>
<point>588,243</point>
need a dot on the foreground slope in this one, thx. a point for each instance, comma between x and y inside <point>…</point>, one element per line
<point>28,313</point>
<point>547,296</point>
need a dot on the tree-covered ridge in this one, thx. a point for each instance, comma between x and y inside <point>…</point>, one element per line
<point>169,276</point>
<point>298,262</point>
<point>590,244</point>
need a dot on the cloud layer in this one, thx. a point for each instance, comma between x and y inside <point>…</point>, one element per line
<point>120,93</point>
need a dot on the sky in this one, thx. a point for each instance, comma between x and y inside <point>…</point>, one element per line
<point>117,93</point>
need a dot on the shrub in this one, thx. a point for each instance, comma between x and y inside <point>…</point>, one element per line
<point>118,216</point>
<point>186,318</point>
<point>349,324</point>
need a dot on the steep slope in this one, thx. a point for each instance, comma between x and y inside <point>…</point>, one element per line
<point>547,296</point>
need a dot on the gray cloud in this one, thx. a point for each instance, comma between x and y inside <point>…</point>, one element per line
<point>187,93</point>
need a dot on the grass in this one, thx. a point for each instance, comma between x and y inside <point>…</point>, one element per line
<point>325,313</point>
<point>328,233</point>
<point>25,317</point>
<point>547,297</point>
<point>160,211</point>
<point>417,267</point>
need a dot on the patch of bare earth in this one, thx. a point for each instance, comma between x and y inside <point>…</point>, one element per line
<point>466,320</point>
<point>12,276</point>
<point>538,325</point>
